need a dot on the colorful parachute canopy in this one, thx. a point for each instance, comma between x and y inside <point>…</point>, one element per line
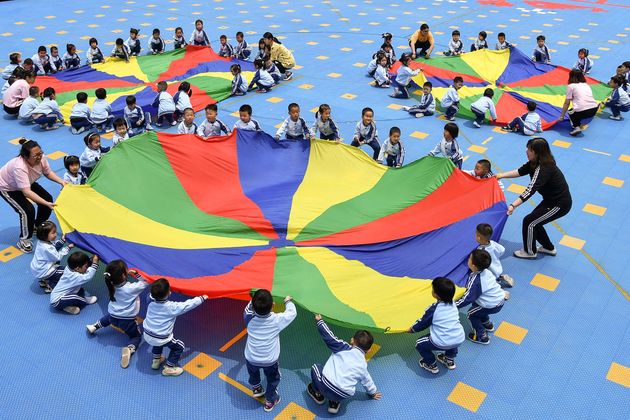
<point>320,221</point>
<point>208,74</point>
<point>513,76</point>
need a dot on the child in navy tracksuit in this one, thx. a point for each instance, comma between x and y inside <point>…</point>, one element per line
<point>245,120</point>
<point>483,104</point>
<point>71,59</point>
<point>73,174</point>
<point>68,295</point>
<point>365,132</point>
<point>121,50</point>
<point>165,104</point>
<point>403,78</point>
<point>294,127</point>
<point>448,146</point>
<point>541,52</point>
<point>324,124</point>
<point>137,120</point>
<point>480,43</point>
<point>262,79</point>
<point>445,331</point>
<point>212,126</point>
<point>426,107</point>
<point>239,83</point>
<point>450,100</point>
<point>225,49</point>
<point>182,99</point>
<point>392,150</point>
<point>583,63</point>
<point>199,36</point>
<point>156,43</point>
<point>242,50</point>
<point>159,323</point>
<point>262,349</point>
<point>380,75</point>
<point>48,252</point>
<point>123,307</point>
<point>485,295</point>
<point>483,236</point>
<point>346,367</point>
<point>133,42</point>
<point>80,115</point>
<point>619,101</point>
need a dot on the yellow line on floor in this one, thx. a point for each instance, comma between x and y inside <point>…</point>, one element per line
<point>239,386</point>
<point>486,140</point>
<point>233,340</point>
<point>596,151</point>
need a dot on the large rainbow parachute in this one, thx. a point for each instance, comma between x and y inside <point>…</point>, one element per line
<point>208,74</point>
<point>348,238</point>
<point>515,78</point>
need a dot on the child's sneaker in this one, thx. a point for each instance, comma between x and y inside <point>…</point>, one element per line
<point>333,407</point>
<point>258,391</point>
<point>446,361</point>
<point>173,123</point>
<point>507,280</point>
<point>91,300</point>
<point>479,340</point>
<point>91,328</point>
<point>72,310</point>
<point>405,108</point>
<point>316,396</point>
<point>617,118</point>
<point>148,127</point>
<point>45,286</point>
<point>157,362</point>
<point>109,129</point>
<point>506,128</point>
<point>419,115</point>
<point>476,124</point>
<point>507,296</point>
<point>269,405</point>
<point>288,75</point>
<point>261,91</point>
<point>451,119</point>
<point>552,252</point>
<point>25,245</point>
<point>431,368</point>
<point>125,356</point>
<point>172,371</point>
<point>489,326</point>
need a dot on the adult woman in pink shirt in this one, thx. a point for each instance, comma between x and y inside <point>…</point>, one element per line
<point>18,185</point>
<point>17,92</point>
<point>584,105</point>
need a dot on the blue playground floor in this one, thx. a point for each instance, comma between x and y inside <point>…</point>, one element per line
<point>562,348</point>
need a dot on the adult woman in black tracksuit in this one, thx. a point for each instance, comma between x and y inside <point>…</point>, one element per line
<point>548,180</point>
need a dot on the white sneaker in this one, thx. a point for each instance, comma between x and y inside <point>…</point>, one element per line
<point>508,295</point>
<point>521,253</point>
<point>617,118</point>
<point>109,129</point>
<point>91,328</point>
<point>91,300</point>
<point>172,371</point>
<point>72,310</point>
<point>419,115</point>
<point>148,127</point>
<point>405,108</point>
<point>156,363</point>
<point>125,356</point>
<point>476,124</point>
<point>173,123</point>
<point>73,130</point>
<point>25,245</point>
<point>509,281</point>
<point>552,252</point>
<point>575,131</point>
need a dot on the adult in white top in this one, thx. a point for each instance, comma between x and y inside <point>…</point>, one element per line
<point>584,104</point>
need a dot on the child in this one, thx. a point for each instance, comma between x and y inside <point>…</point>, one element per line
<point>338,378</point>
<point>56,61</point>
<point>165,105</point>
<point>102,112</point>
<point>68,295</point>
<point>380,75</point>
<point>133,42</point>
<point>618,101</point>
<point>372,65</point>
<point>92,153</point>
<point>80,116</point>
<point>42,63</point>
<point>137,119</point>
<point>14,62</point>
<point>239,84</point>
<point>483,104</point>
<point>199,37</point>
<point>426,107</point>
<point>123,307</point>
<point>212,126</point>
<point>450,100</point>
<point>179,40</point>
<point>527,124</point>
<point>94,54</point>
<point>403,78</point>
<point>448,146</point>
<point>156,43</point>
<point>242,51</point>
<point>245,121</point>
<point>583,63</point>
<point>387,39</point>
<point>272,69</point>
<point>188,126</point>
<point>48,252</point>
<point>325,125</point>
<point>262,349</point>
<point>29,105</point>
<point>502,44</point>
<point>182,99</point>
<point>483,170</point>
<point>485,294</point>
<point>121,50</point>
<point>365,132</point>
<point>73,174</point>
<point>47,112</point>
<point>71,59</point>
<point>483,236</point>
<point>226,49</point>
<point>262,49</point>
<point>120,131</point>
<point>480,43</point>
<point>262,80</point>
<point>387,49</point>
<point>392,151</point>
<point>445,331</point>
<point>541,52</point>
<point>159,323</point>
<point>625,70</point>
<point>455,45</point>
<point>294,127</point>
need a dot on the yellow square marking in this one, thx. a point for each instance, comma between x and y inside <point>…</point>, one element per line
<point>15,141</point>
<point>613,182</point>
<point>545,282</point>
<point>359,64</point>
<point>571,242</point>
<point>613,41</point>
<point>510,332</point>
<point>235,114</point>
<point>324,24</point>
<point>594,209</point>
<point>467,397</point>
<point>56,155</point>
<point>298,67</point>
<point>367,41</point>
<point>6,34</point>
<point>334,75</point>
<point>312,43</point>
<point>355,29</point>
<point>345,49</point>
<point>334,36</point>
<point>624,158</point>
<point>622,35</point>
<point>477,149</point>
<point>561,143</point>
<point>604,49</point>
<point>516,189</point>
<point>596,57</point>
<point>28,39</point>
<point>419,135</point>
<point>19,22</point>
<point>348,96</point>
<point>498,130</point>
<point>108,136</point>
<point>85,37</point>
<point>373,350</point>
<point>619,374</point>
<point>201,366</point>
<point>277,125</point>
<point>394,106</point>
<point>92,25</point>
<point>524,37</point>
<point>275,100</point>
<point>40,27</point>
<point>294,411</point>
<point>50,17</point>
<point>536,31</point>
<point>306,86</point>
<point>574,36</point>
<point>9,253</point>
<point>322,57</point>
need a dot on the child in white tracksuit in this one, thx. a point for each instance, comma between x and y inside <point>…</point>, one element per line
<point>481,106</point>
<point>448,146</point>
<point>483,236</point>
<point>48,253</point>
<point>68,295</point>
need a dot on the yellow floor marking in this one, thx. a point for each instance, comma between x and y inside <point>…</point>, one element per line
<point>240,387</point>
<point>234,340</point>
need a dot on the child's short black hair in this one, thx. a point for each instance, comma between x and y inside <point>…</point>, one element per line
<point>246,108</point>
<point>455,32</point>
<point>428,84</point>
<point>89,137</point>
<point>134,31</point>
<point>33,91</point>
<point>28,61</point>
<point>452,129</point>
<point>92,41</point>
<point>156,31</point>
<point>483,34</point>
<point>363,340</point>
<point>385,45</point>
<point>458,79</point>
<point>120,122</point>
<point>212,107</point>
<point>43,229</point>
<point>583,51</point>
<point>130,100</point>
<point>258,63</point>
<point>239,33</point>
<point>444,288</point>
<point>488,92</point>
<point>626,64</point>
<point>48,92</point>
<point>160,289</point>
<point>162,85</point>
<point>198,21</point>
<point>54,48</point>
<point>235,68</point>
<point>82,97</point>
<point>540,37</point>
<point>223,37</point>
<point>188,109</point>
<point>405,58</point>
<point>485,163</point>
<point>13,57</point>
<point>41,48</point>
<point>481,259</point>
<point>100,93</point>
<point>77,259</point>
<point>70,47</point>
<point>501,34</point>
<point>70,160</point>
<point>394,130</point>
<point>184,86</point>
<point>485,230</point>
<point>120,41</point>
<point>531,106</point>
<point>293,105</point>
<point>618,79</point>
<point>262,302</point>
<point>366,110</point>
<point>387,36</point>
